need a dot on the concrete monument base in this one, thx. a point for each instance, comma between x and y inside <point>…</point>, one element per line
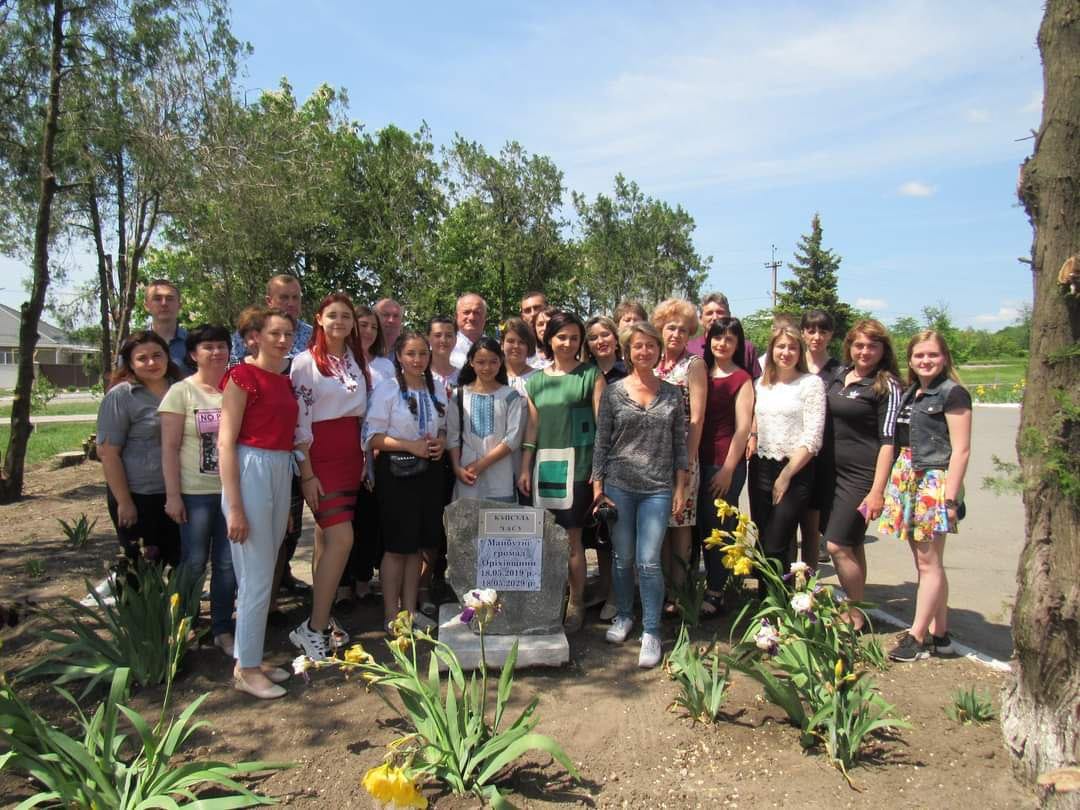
<point>545,650</point>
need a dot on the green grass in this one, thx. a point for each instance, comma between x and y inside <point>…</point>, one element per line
<point>1005,372</point>
<point>56,408</point>
<point>48,440</point>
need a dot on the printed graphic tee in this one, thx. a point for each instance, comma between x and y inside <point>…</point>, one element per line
<point>198,449</point>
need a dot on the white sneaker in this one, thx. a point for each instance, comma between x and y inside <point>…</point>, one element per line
<point>619,630</point>
<point>315,645</point>
<point>609,611</point>
<point>650,651</point>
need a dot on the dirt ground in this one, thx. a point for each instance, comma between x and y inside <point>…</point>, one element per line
<point>612,718</point>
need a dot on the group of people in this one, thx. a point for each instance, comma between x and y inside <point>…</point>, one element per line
<point>627,428</point>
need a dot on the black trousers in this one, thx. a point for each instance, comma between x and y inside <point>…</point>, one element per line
<point>157,531</point>
<point>777,522</point>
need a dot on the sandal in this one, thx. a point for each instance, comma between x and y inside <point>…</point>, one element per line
<point>712,605</point>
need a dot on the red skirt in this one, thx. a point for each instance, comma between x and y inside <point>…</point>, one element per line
<point>337,459</point>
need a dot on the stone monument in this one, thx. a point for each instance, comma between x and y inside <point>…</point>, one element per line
<point>522,553</point>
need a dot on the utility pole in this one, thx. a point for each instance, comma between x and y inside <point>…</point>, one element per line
<point>774,265</point>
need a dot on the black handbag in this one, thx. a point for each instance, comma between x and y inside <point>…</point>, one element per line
<point>406,465</point>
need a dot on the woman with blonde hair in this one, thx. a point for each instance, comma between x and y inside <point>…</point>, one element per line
<point>789,419</point>
<point>864,399</point>
<point>676,320</point>
<point>923,499</point>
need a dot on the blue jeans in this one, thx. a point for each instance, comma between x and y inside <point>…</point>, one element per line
<point>715,573</point>
<point>636,540</point>
<point>204,536</point>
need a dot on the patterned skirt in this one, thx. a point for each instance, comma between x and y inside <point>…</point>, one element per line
<point>915,502</point>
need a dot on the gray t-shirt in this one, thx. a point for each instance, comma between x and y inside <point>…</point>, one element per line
<point>128,418</point>
<point>639,449</point>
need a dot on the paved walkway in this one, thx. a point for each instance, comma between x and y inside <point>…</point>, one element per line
<point>70,417</point>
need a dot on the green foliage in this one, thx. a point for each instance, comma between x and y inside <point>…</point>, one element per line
<point>41,394</point>
<point>451,737</point>
<point>635,247</point>
<point>105,767</point>
<point>78,532</point>
<point>1009,479</point>
<point>703,681</point>
<point>969,706</point>
<point>1053,452</point>
<point>799,645</point>
<point>35,569</point>
<point>690,595</point>
<point>139,632</point>
<point>815,283</point>
<point>49,439</point>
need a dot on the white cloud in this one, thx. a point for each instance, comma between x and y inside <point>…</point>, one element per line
<point>916,188</point>
<point>977,116</point>
<point>1004,316</point>
<point>1035,105</point>
<point>873,304</point>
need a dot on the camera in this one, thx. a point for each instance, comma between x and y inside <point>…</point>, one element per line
<point>606,513</point>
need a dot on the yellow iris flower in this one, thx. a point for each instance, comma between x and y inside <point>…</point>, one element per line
<point>391,787</point>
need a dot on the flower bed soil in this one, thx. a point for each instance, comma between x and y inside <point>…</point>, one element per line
<point>611,717</point>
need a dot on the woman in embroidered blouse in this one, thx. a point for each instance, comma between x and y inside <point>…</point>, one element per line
<point>556,460</point>
<point>676,321</point>
<point>190,417</point>
<point>789,418</point>
<point>330,382</point>
<point>406,426</point>
<point>485,426</point>
<point>255,444</point>
<point>129,446</point>
<point>640,452</point>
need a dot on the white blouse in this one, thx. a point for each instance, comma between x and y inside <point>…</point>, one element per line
<point>321,398</point>
<point>380,369</point>
<point>484,422</point>
<point>789,416</point>
<point>388,413</point>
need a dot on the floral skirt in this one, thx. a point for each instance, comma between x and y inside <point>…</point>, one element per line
<point>915,502</point>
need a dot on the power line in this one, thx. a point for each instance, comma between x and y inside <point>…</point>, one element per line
<point>774,265</point>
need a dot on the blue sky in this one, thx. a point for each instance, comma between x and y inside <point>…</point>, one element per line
<point>900,122</point>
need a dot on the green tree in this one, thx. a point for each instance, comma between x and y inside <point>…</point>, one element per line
<point>633,246</point>
<point>504,235</point>
<point>815,283</point>
<point>1038,712</point>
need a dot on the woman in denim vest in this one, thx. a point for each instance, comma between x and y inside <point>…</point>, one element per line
<point>923,497</point>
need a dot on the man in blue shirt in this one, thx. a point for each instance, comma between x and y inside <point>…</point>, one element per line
<point>162,300</point>
<point>282,292</point>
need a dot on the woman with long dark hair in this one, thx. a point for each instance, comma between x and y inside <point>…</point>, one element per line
<point>129,446</point>
<point>485,426</point>
<point>729,412</point>
<point>864,399</point>
<point>817,327</point>
<point>406,427</point>
<point>923,499</point>
<point>330,382</point>
<point>556,462</point>
<point>255,453</point>
<point>190,418</point>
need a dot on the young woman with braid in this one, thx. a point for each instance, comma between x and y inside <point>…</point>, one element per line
<point>406,427</point>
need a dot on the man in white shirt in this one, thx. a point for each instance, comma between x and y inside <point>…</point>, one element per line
<point>389,313</point>
<point>471,314</point>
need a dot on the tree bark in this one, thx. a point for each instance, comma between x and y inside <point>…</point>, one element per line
<point>15,459</point>
<point>1041,706</point>
<point>104,282</point>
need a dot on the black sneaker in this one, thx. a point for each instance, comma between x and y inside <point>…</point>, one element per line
<point>943,644</point>
<point>908,649</point>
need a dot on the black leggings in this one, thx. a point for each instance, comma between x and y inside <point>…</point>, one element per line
<point>157,531</point>
<point>777,523</point>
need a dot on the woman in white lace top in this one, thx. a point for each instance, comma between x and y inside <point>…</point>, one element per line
<point>789,419</point>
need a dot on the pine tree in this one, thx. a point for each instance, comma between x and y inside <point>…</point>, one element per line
<point>814,284</point>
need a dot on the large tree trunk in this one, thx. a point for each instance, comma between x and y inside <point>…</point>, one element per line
<point>14,460</point>
<point>1041,707</point>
